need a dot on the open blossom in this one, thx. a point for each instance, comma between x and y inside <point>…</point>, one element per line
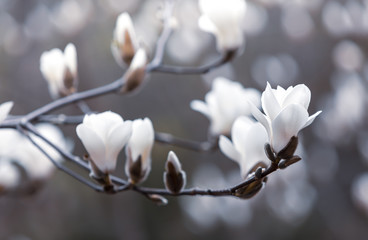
<point>247,146</point>
<point>224,19</point>
<point>60,70</point>
<point>138,150</point>
<point>285,113</point>
<point>125,44</point>
<point>5,109</point>
<point>226,101</point>
<point>104,135</point>
<point>136,72</point>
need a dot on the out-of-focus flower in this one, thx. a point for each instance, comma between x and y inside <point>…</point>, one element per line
<point>20,150</point>
<point>104,135</point>
<point>225,20</point>
<point>136,72</point>
<point>9,175</point>
<point>285,113</point>
<point>125,43</point>
<point>138,150</point>
<point>224,103</point>
<point>174,176</point>
<point>247,146</point>
<point>5,109</point>
<point>60,70</point>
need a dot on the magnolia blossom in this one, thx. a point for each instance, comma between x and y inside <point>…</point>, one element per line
<point>5,109</point>
<point>125,42</point>
<point>136,72</point>
<point>224,103</point>
<point>224,19</point>
<point>285,113</point>
<point>104,135</point>
<point>138,150</point>
<point>9,175</point>
<point>19,149</point>
<point>247,146</point>
<point>174,177</point>
<point>60,70</point>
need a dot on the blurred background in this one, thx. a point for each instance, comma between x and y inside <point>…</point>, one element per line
<point>320,43</point>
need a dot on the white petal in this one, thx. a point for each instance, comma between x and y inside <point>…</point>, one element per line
<point>228,149</point>
<point>200,106</point>
<point>124,23</point>
<point>52,66</point>
<point>116,139</point>
<point>257,114</point>
<point>94,146</point>
<point>287,124</point>
<point>206,25</point>
<point>254,148</point>
<point>299,95</point>
<point>239,132</point>
<point>70,56</point>
<point>139,59</point>
<point>5,109</point>
<point>311,119</point>
<point>270,104</point>
<point>142,139</point>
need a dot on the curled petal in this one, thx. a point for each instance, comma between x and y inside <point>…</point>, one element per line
<point>270,103</point>
<point>311,119</point>
<point>257,114</point>
<point>287,124</point>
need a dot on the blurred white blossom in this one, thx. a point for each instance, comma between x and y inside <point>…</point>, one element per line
<point>224,19</point>
<point>9,175</point>
<point>247,146</point>
<point>226,101</point>
<point>104,135</point>
<point>285,113</point>
<point>138,150</point>
<point>60,70</point>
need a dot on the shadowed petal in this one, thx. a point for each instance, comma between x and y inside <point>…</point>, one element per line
<point>228,149</point>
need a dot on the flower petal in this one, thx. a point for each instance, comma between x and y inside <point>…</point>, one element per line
<point>228,149</point>
<point>311,119</point>
<point>94,146</point>
<point>200,106</point>
<point>5,109</point>
<point>287,124</point>
<point>70,56</point>
<point>257,114</point>
<point>239,132</point>
<point>300,94</point>
<point>270,104</point>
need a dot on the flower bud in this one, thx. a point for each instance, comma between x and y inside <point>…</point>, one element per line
<point>158,199</point>
<point>252,189</point>
<point>284,163</point>
<point>134,76</point>
<point>174,177</point>
<point>125,44</point>
<point>138,151</point>
<point>60,70</point>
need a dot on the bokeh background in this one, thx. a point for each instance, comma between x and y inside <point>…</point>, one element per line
<point>320,43</point>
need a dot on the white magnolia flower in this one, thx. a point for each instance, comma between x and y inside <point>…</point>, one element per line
<point>224,19</point>
<point>9,175</point>
<point>138,150</point>
<point>104,135</point>
<point>60,70</point>
<point>5,109</point>
<point>285,113</point>
<point>247,146</point>
<point>19,149</point>
<point>224,103</point>
<point>125,42</point>
<point>174,176</point>
<point>136,72</point>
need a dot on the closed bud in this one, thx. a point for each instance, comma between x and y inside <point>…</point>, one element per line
<point>269,152</point>
<point>289,150</point>
<point>134,76</point>
<point>252,189</point>
<point>125,44</point>
<point>174,177</point>
<point>284,163</point>
<point>158,199</point>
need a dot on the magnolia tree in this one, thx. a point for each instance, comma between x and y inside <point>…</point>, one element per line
<point>260,141</point>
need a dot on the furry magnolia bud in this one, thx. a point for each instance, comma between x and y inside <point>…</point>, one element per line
<point>134,76</point>
<point>252,189</point>
<point>158,199</point>
<point>174,177</point>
